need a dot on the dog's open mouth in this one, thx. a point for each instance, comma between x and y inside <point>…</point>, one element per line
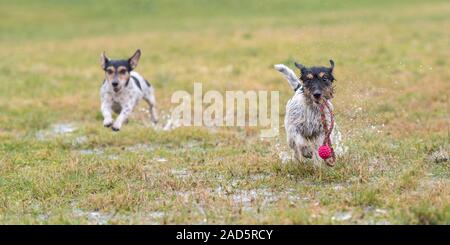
<point>116,89</point>
<point>321,99</point>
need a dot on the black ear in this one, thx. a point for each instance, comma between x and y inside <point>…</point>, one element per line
<point>299,66</point>
<point>332,65</point>
<point>135,59</point>
<point>103,60</point>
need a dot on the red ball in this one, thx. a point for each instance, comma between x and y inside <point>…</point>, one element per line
<point>324,152</point>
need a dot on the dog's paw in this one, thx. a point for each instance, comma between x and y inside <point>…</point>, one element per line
<point>107,123</point>
<point>115,129</point>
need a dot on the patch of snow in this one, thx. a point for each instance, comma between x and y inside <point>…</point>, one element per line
<point>283,154</point>
<point>56,130</point>
<point>246,197</point>
<point>113,157</point>
<point>160,159</point>
<point>167,123</point>
<point>139,147</point>
<point>95,151</point>
<point>97,218</point>
<point>336,139</point>
<point>43,217</point>
<point>63,128</point>
<point>342,216</point>
<point>256,177</point>
<point>79,140</point>
<point>180,173</point>
<point>380,211</point>
<point>383,222</point>
<point>156,215</point>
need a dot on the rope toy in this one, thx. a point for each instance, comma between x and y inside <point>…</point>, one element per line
<point>326,151</point>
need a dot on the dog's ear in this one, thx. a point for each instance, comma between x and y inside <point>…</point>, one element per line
<point>135,59</point>
<point>103,60</point>
<point>299,66</point>
<point>332,65</point>
<point>331,70</point>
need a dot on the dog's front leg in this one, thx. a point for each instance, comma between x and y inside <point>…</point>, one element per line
<point>301,149</point>
<point>107,113</point>
<point>123,116</point>
<point>316,144</point>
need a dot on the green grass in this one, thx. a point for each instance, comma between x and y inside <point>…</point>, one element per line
<point>391,104</point>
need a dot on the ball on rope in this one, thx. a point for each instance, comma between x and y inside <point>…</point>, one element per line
<point>325,152</point>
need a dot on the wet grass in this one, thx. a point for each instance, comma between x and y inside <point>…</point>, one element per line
<point>59,165</point>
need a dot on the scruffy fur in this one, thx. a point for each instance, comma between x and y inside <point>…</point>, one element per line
<point>122,90</point>
<point>303,125</point>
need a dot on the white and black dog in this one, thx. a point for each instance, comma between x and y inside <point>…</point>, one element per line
<point>122,89</point>
<point>302,122</point>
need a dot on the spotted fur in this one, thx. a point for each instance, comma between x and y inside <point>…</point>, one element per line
<point>120,93</point>
<point>302,122</point>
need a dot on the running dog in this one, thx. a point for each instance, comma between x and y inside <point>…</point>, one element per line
<point>303,122</point>
<point>122,90</point>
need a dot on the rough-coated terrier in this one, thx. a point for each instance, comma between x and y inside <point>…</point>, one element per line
<point>302,122</point>
<point>122,89</point>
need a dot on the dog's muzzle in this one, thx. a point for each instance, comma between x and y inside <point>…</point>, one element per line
<point>115,85</point>
<point>317,96</point>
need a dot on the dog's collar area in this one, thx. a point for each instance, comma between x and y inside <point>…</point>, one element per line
<point>299,87</point>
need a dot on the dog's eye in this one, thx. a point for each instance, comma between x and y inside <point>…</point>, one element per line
<point>123,72</point>
<point>308,78</point>
<point>109,72</point>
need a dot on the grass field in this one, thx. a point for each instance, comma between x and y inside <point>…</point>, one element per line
<point>59,165</point>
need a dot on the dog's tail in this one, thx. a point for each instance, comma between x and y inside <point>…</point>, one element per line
<point>289,75</point>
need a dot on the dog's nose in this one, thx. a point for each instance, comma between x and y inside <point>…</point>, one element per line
<point>115,84</point>
<point>317,95</point>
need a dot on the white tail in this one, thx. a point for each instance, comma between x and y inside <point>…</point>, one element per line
<point>289,75</point>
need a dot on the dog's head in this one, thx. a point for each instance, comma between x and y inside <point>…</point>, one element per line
<point>317,81</point>
<point>117,72</point>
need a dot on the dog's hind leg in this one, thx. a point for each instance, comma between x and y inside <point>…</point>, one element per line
<point>298,154</point>
<point>149,97</point>
<point>302,152</point>
<point>301,149</point>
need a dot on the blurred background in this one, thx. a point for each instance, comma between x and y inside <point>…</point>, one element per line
<point>51,48</point>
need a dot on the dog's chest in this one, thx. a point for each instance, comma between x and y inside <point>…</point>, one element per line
<point>306,118</point>
<point>124,97</point>
<point>116,107</point>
